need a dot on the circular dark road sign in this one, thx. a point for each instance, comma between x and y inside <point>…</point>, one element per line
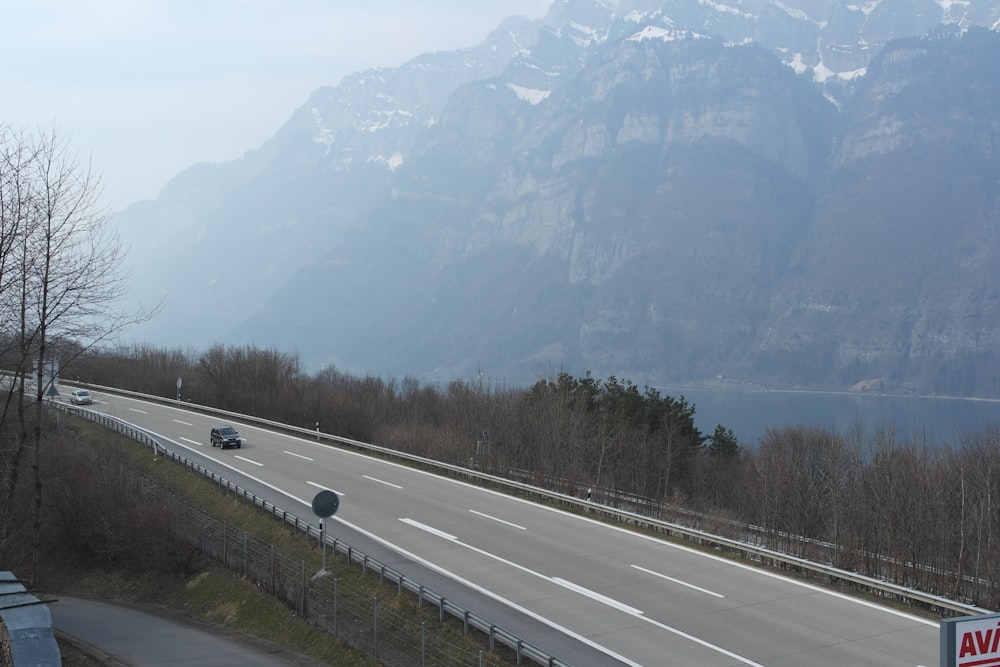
<point>325,504</point>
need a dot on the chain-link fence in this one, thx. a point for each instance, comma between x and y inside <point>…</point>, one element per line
<point>357,619</point>
<point>364,622</point>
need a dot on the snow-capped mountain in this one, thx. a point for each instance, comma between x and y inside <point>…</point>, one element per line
<point>799,193</point>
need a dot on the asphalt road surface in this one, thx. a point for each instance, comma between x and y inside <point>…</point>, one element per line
<point>128,635</point>
<point>585,591</point>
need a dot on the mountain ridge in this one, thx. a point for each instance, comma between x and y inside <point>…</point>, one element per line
<point>634,197</point>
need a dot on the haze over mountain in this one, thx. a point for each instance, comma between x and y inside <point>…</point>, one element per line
<point>798,194</point>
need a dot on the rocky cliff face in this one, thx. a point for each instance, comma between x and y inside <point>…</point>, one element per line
<point>672,192</point>
<point>904,234</point>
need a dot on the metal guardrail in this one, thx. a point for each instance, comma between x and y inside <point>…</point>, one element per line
<point>521,648</point>
<point>745,550</point>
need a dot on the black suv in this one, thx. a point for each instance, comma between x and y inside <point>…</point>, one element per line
<point>225,437</point>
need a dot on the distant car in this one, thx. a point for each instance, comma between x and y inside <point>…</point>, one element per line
<point>226,437</point>
<point>80,397</point>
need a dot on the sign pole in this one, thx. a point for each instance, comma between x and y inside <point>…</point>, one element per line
<point>322,538</point>
<point>324,505</point>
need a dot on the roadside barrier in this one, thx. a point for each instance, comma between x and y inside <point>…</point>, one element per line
<point>362,623</point>
<point>742,549</point>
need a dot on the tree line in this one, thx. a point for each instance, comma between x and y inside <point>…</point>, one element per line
<point>885,504</point>
<point>888,505</point>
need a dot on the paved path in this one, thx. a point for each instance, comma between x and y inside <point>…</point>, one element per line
<point>121,634</point>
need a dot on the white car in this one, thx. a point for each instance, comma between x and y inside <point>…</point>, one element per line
<point>80,397</point>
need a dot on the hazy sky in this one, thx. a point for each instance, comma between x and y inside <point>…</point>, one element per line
<point>146,88</point>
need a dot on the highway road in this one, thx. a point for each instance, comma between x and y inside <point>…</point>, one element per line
<point>598,593</point>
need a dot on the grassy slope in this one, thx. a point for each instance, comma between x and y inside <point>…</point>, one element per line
<point>212,594</point>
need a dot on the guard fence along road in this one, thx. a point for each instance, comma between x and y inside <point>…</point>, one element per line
<point>362,623</point>
<point>742,549</point>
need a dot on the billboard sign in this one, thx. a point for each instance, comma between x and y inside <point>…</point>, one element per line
<point>971,641</point>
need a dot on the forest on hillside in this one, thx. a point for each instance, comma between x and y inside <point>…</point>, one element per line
<point>918,513</point>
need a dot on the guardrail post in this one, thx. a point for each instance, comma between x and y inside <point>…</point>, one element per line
<point>375,619</point>
<point>465,621</point>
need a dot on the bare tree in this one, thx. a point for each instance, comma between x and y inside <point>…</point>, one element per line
<point>65,293</point>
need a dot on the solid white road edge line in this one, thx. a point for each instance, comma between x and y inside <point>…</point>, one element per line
<point>426,563</point>
<point>531,614</point>
<point>620,606</point>
<point>659,541</point>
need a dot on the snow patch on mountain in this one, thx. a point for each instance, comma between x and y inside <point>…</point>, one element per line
<point>797,64</point>
<point>946,5</point>
<point>378,120</point>
<point>584,35</point>
<point>530,95</point>
<point>821,73</point>
<point>324,136</point>
<point>723,8</point>
<point>798,14</point>
<point>866,8</point>
<point>635,16</point>
<point>392,162</point>
<point>665,34</point>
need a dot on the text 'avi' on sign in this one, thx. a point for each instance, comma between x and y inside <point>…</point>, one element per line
<point>971,641</point>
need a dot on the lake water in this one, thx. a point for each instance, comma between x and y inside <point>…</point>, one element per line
<point>751,413</point>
